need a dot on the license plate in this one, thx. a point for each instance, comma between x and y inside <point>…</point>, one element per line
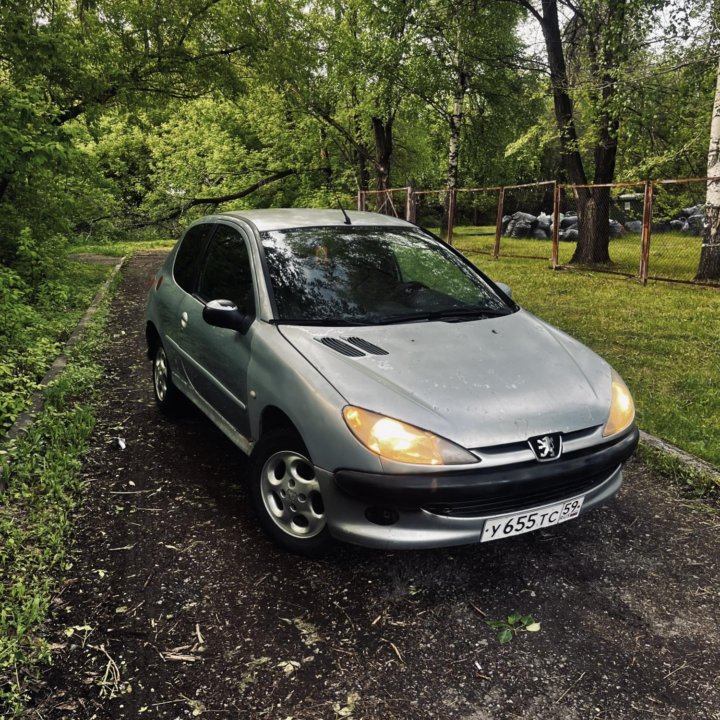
<point>518,523</point>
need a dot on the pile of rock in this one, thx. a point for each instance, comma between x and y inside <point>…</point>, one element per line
<point>690,221</point>
<point>524,225</point>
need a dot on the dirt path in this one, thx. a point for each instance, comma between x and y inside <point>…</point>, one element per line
<point>182,608</point>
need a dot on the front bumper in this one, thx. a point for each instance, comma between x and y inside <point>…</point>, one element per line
<point>450,508</point>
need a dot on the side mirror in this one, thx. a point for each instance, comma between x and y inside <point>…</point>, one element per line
<point>505,288</point>
<point>225,314</point>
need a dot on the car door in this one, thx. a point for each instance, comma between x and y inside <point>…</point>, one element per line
<point>217,359</point>
<point>173,297</point>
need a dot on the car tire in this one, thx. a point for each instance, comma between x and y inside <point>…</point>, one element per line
<point>286,495</point>
<point>166,394</point>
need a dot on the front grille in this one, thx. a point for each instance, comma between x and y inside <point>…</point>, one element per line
<point>523,444</point>
<point>496,500</point>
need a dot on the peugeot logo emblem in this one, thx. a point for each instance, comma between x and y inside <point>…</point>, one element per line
<point>546,447</point>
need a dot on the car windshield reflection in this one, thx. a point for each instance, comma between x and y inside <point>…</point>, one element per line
<point>364,275</point>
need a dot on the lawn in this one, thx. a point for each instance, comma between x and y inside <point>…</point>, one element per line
<point>662,338</point>
<point>672,255</point>
<point>119,248</point>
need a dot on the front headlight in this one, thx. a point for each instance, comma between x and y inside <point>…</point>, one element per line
<point>395,440</point>
<point>622,408</point>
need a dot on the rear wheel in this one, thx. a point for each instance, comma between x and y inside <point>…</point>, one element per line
<point>287,495</point>
<point>166,394</point>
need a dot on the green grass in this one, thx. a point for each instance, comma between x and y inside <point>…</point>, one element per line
<point>34,325</point>
<point>672,255</point>
<point>120,248</point>
<point>662,338</point>
<point>695,482</point>
<point>42,473</point>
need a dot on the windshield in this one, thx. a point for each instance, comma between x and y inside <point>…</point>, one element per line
<point>366,275</point>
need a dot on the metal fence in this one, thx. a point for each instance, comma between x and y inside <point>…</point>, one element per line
<point>656,227</point>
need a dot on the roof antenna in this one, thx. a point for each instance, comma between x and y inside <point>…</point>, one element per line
<point>347,217</point>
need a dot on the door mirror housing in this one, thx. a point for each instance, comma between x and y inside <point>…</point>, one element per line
<point>505,288</point>
<point>225,314</point>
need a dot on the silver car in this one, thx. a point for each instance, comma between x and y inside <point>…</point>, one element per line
<point>387,392</point>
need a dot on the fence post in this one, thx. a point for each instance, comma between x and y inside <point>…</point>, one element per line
<point>498,222</point>
<point>451,216</point>
<point>556,227</point>
<point>361,200</point>
<point>410,206</point>
<point>646,232</point>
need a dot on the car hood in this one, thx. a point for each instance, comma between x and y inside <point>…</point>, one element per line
<point>479,383</point>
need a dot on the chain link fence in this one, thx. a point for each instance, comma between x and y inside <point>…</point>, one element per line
<point>431,210</point>
<point>526,221</point>
<point>655,228</point>
<point>392,201</point>
<point>476,219</point>
<point>619,207</point>
<point>677,229</point>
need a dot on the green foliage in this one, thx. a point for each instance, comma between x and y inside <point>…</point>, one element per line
<point>516,623</point>
<point>35,321</point>
<point>664,133</point>
<point>42,474</point>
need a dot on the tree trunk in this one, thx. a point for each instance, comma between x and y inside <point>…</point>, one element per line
<point>593,228</point>
<point>362,177</point>
<point>456,119</point>
<point>383,132</point>
<point>709,266</point>
<point>325,157</point>
<point>562,102</point>
<point>593,203</point>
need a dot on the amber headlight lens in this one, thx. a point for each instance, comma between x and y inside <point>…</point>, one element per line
<point>622,407</point>
<point>395,440</point>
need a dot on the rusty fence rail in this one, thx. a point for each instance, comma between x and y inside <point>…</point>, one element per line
<point>656,227</point>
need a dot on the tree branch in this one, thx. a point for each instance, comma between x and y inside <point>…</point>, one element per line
<point>194,202</point>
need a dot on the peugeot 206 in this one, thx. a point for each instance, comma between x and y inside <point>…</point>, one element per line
<point>387,392</point>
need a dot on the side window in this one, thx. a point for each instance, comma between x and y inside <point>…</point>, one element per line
<point>188,255</point>
<point>226,273</point>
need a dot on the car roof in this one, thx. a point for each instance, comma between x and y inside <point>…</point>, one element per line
<point>285,218</point>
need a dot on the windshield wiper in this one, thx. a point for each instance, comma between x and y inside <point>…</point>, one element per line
<point>323,322</point>
<point>446,314</point>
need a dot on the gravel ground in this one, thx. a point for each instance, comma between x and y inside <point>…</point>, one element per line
<point>179,607</point>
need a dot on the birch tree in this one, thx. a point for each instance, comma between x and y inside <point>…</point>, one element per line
<point>709,267</point>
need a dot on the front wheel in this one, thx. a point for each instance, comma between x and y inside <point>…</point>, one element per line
<point>286,494</point>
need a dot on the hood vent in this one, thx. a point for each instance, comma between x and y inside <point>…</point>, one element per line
<point>368,347</point>
<point>352,346</point>
<point>342,347</point>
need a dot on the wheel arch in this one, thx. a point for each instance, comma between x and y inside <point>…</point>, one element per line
<point>273,418</point>
<point>152,336</point>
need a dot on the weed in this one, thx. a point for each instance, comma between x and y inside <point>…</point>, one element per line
<point>693,481</point>
<point>515,623</point>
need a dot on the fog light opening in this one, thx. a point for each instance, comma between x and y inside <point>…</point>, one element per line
<point>382,516</point>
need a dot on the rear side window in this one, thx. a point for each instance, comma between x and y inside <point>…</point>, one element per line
<point>188,255</point>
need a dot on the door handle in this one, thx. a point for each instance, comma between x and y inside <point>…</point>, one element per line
<point>183,320</point>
